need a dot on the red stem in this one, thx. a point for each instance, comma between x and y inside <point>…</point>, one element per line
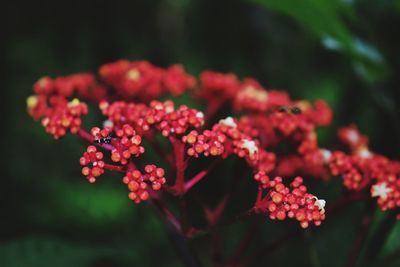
<point>180,165</point>
<point>214,215</point>
<point>199,176</point>
<point>111,167</point>
<point>259,196</point>
<point>168,214</point>
<point>193,181</point>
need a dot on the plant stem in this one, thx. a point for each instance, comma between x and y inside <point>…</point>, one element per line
<point>361,236</point>
<point>199,176</point>
<point>169,216</point>
<point>111,167</point>
<point>178,240</point>
<point>180,165</point>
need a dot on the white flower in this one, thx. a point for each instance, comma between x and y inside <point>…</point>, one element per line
<point>364,152</point>
<point>320,203</point>
<point>200,115</point>
<point>380,190</point>
<point>228,122</point>
<point>169,109</point>
<point>326,155</point>
<point>250,145</point>
<point>108,124</point>
<point>353,136</point>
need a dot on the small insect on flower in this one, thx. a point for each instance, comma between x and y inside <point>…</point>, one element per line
<point>104,140</point>
<point>290,110</point>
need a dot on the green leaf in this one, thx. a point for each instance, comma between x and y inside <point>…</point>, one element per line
<point>393,242</point>
<point>323,20</point>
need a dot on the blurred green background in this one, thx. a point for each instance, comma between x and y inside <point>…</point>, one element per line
<point>344,51</point>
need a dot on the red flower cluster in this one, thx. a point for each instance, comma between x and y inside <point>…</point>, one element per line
<point>363,169</point>
<point>51,102</point>
<point>161,116</point>
<point>138,182</point>
<point>226,137</point>
<point>294,202</point>
<point>144,81</point>
<point>218,86</point>
<point>274,134</point>
<point>93,158</point>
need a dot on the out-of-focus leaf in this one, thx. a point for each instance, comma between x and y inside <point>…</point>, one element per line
<point>323,19</point>
<point>393,242</point>
<point>318,17</point>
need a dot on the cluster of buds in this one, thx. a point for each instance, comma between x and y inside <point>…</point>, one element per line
<point>82,84</point>
<point>51,102</point>
<point>270,118</point>
<point>218,86</point>
<point>387,193</point>
<point>251,96</point>
<point>63,117</point>
<point>93,163</point>
<point>161,116</point>
<point>139,183</point>
<point>364,169</point>
<point>177,122</point>
<point>60,117</point>
<point>143,81</point>
<point>227,137</point>
<point>208,143</point>
<point>126,145</point>
<point>282,202</point>
<point>294,125</point>
<point>351,137</point>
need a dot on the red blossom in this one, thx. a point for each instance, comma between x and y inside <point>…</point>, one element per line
<point>295,202</point>
<point>137,79</point>
<point>139,183</point>
<point>274,134</point>
<point>251,96</point>
<point>218,86</point>
<point>176,81</point>
<point>64,116</point>
<point>126,145</point>
<point>352,137</point>
<point>93,163</point>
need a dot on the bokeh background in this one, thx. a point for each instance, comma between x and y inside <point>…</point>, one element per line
<point>344,51</point>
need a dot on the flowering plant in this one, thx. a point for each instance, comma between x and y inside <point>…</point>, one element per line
<point>270,136</point>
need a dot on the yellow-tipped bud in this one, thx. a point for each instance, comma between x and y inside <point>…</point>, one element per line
<point>32,101</point>
<point>133,74</point>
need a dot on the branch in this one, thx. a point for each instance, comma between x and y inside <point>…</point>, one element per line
<point>180,165</point>
<point>361,236</point>
<point>178,240</point>
<point>116,168</point>
<point>199,176</point>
